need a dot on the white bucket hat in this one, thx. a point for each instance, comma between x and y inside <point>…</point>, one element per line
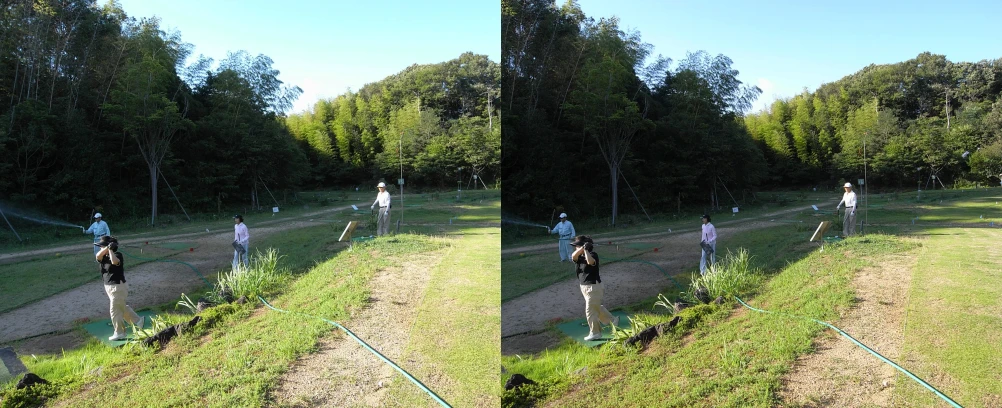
<point>563,215</point>
<point>848,185</point>
<point>98,215</point>
<point>381,184</point>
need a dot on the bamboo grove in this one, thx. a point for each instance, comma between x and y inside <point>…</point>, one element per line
<point>98,109</point>
<point>588,109</point>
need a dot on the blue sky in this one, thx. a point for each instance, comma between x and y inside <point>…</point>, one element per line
<point>326,47</point>
<point>784,46</point>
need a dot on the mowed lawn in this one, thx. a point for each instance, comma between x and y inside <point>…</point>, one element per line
<point>953,331</point>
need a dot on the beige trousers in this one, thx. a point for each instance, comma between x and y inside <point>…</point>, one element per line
<point>120,312</point>
<point>596,314</point>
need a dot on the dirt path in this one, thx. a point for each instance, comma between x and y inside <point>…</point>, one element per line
<point>625,283</point>
<point>150,284</point>
<point>840,374</point>
<point>551,245</point>
<point>133,240</point>
<point>341,373</point>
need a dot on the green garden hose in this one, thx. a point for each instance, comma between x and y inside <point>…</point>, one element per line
<point>864,347</point>
<point>335,324</point>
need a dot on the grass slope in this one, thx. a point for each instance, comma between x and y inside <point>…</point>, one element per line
<point>734,361</point>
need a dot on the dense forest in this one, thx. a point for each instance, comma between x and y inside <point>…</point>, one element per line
<point>98,109</point>
<point>588,109</point>
<point>920,118</point>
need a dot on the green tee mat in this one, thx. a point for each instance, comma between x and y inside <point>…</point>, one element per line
<point>10,365</point>
<point>101,329</point>
<point>578,329</point>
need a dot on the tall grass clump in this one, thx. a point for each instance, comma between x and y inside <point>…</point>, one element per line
<point>732,276</point>
<point>263,276</point>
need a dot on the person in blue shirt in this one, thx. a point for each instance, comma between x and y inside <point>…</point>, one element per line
<point>565,230</point>
<point>99,228</point>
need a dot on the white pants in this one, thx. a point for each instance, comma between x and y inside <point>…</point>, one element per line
<point>383,221</point>
<point>595,313</point>
<point>120,312</point>
<point>702,258</point>
<point>564,246</point>
<point>245,257</point>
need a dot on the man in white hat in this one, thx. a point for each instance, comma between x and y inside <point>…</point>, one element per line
<point>383,201</point>
<point>564,230</point>
<point>99,228</point>
<point>849,222</point>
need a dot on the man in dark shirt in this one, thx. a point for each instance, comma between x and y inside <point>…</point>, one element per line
<point>587,263</point>
<point>113,277</point>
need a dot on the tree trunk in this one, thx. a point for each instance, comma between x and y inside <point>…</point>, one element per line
<point>153,189</point>
<point>614,179</point>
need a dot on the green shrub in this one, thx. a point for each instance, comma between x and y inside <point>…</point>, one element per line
<point>529,394</point>
<point>729,277</point>
<point>263,276</point>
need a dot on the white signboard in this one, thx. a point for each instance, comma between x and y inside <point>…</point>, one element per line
<point>400,181</point>
<point>353,207</point>
<point>860,181</point>
<point>274,209</point>
<point>814,207</point>
<point>734,210</point>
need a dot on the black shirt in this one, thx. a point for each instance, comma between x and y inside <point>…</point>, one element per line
<point>112,274</point>
<point>588,274</point>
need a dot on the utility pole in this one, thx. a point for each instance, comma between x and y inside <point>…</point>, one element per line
<point>400,157</point>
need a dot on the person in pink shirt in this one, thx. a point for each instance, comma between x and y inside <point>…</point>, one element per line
<point>241,242</point>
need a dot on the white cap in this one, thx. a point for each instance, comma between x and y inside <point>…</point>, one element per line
<point>848,185</point>
<point>98,215</point>
<point>563,215</point>
<point>381,184</point>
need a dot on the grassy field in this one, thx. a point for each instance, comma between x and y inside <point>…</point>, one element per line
<point>735,357</point>
<point>727,359</point>
<point>40,236</point>
<point>524,273</point>
<point>632,224</point>
<point>953,333</point>
<point>236,356</point>
<point>46,275</point>
<point>38,278</point>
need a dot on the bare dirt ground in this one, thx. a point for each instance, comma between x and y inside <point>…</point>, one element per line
<point>150,284</point>
<point>341,373</point>
<point>625,283</point>
<point>840,374</point>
